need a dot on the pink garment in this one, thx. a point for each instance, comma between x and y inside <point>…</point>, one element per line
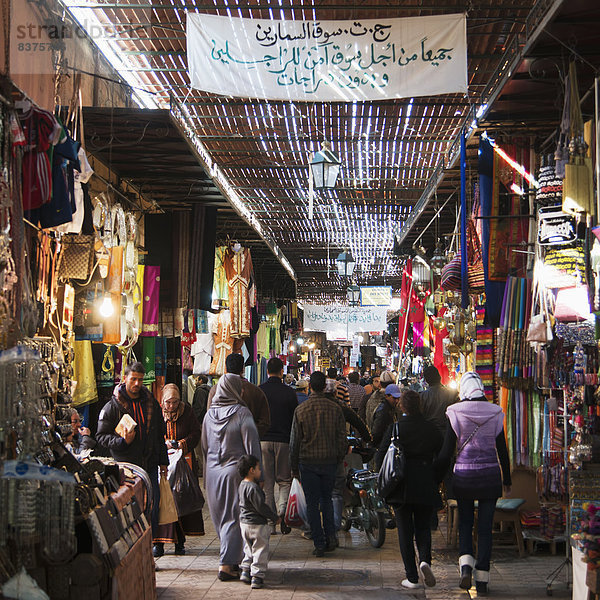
<point>151,301</point>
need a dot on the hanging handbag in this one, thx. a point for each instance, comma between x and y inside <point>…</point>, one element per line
<point>391,473</point>
<point>572,304</point>
<point>540,326</point>
<point>578,185</point>
<point>76,259</point>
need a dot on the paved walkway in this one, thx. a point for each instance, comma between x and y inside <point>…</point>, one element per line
<point>355,570</point>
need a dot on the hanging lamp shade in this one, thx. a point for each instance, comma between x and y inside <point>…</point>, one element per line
<point>353,294</point>
<point>325,167</point>
<point>345,264</point>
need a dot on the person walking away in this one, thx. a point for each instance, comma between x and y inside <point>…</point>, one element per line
<point>275,443</point>
<point>476,431</point>
<point>183,433</point>
<point>301,389</point>
<point>338,388</point>
<point>413,499</point>
<point>434,402</point>
<point>143,445</point>
<point>317,445</point>
<point>228,432</point>
<point>200,406</point>
<point>436,399</point>
<point>255,514</point>
<point>385,414</point>
<point>375,399</point>
<point>358,396</point>
<point>252,395</point>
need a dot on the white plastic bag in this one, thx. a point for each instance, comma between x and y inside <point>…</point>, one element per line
<point>174,456</point>
<point>295,513</point>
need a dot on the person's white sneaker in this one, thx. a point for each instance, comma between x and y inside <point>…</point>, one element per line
<point>427,574</point>
<point>410,585</point>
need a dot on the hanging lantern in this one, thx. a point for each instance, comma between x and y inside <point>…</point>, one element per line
<point>345,264</point>
<point>325,167</point>
<point>421,273</point>
<point>440,323</point>
<point>353,294</point>
<point>438,260</point>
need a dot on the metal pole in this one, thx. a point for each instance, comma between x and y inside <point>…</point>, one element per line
<point>463,222</point>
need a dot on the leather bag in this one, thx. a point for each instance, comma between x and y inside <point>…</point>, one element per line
<point>76,259</point>
<point>391,473</point>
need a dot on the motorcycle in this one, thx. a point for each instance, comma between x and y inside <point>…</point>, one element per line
<point>363,508</point>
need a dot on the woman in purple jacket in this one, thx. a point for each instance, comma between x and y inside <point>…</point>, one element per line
<point>481,469</point>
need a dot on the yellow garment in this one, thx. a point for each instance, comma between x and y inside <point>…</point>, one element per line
<point>83,373</point>
<point>277,330</point>
<point>220,285</point>
<point>138,295</point>
<point>262,340</point>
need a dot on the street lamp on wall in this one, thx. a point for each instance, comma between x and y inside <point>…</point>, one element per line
<point>325,167</point>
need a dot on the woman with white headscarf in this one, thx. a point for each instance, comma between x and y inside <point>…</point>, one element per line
<point>228,432</point>
<point>476,431</point>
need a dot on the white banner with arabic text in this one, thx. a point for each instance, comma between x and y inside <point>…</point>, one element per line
<point>322,61</point>
<point>342,322</point>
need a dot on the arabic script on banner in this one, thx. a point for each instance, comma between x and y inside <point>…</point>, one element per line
<point>327,60</point>
<point>342,322</point>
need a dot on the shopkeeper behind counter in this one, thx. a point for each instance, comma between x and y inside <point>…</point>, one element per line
<point>143,444</point>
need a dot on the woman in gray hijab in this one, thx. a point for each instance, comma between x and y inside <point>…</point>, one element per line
<point>228,432</point>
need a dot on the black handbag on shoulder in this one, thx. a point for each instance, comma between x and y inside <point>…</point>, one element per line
<point>391,473</point>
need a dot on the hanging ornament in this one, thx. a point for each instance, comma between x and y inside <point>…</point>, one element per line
<point>438,260</point>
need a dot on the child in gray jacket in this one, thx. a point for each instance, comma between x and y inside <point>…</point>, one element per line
<point>255,515</point>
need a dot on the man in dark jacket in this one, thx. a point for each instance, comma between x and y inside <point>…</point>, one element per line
<point>144,444</point>
<point>385,413</point>
<point>275,443</point>
<point>317,445</point>
<point>436,399</point>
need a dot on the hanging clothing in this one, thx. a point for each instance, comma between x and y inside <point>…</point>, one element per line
<point>83,373</point>
<point>41,131</point>
<point>220,287</point>
<point>151,301</point>
<point>221,331</point>
<point>240,280</point>
<point>149,359</point>
<point>202,352</point>
<point>82,176</point>
<point>262,340</point>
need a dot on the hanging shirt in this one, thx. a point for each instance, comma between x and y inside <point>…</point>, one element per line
<point>41,131</point>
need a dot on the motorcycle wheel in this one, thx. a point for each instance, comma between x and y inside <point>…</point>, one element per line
<point>376,533</point>
<point>346,522</point>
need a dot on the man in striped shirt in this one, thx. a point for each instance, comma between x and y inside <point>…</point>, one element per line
<point>337,388</point>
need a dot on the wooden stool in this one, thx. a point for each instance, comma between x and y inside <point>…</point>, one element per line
<point>507,511</point>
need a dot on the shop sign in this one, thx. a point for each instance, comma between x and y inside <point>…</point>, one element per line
<point>326,363</point>
<point>375,295</point>
<point>328,61</point>
<point>344,322</point>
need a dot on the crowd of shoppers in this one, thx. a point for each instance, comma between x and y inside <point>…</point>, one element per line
<point>254,440</point>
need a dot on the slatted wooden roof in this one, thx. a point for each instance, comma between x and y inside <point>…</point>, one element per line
<point>390,150</point>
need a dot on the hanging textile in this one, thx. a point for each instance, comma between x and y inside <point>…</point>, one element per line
<point>151,301</point>
<point>240,280</point>
<point>438,356</point>
<point>508,233</point>
<point>221,331</point>
<point>149,359</point>
<point>202,263</point>
<point>174,361</point>
<point>405,299</point>
<point>181,259</point>
<point>262,340</point>
<point>484,358</point>
<point>202,351</point>
<point>220,288</point>
<point>494,290</point>
<point>201,321</point>
<point>138,293</point>
<point>160,356</point>
<point>83,373</point>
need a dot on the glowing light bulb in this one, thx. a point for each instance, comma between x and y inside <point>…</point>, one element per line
<point>453,384</point>
<point>361,339</point>
<point>292,348</point>
<point>106,308</point>
<point>312,345</point>
<point>300,341</point>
